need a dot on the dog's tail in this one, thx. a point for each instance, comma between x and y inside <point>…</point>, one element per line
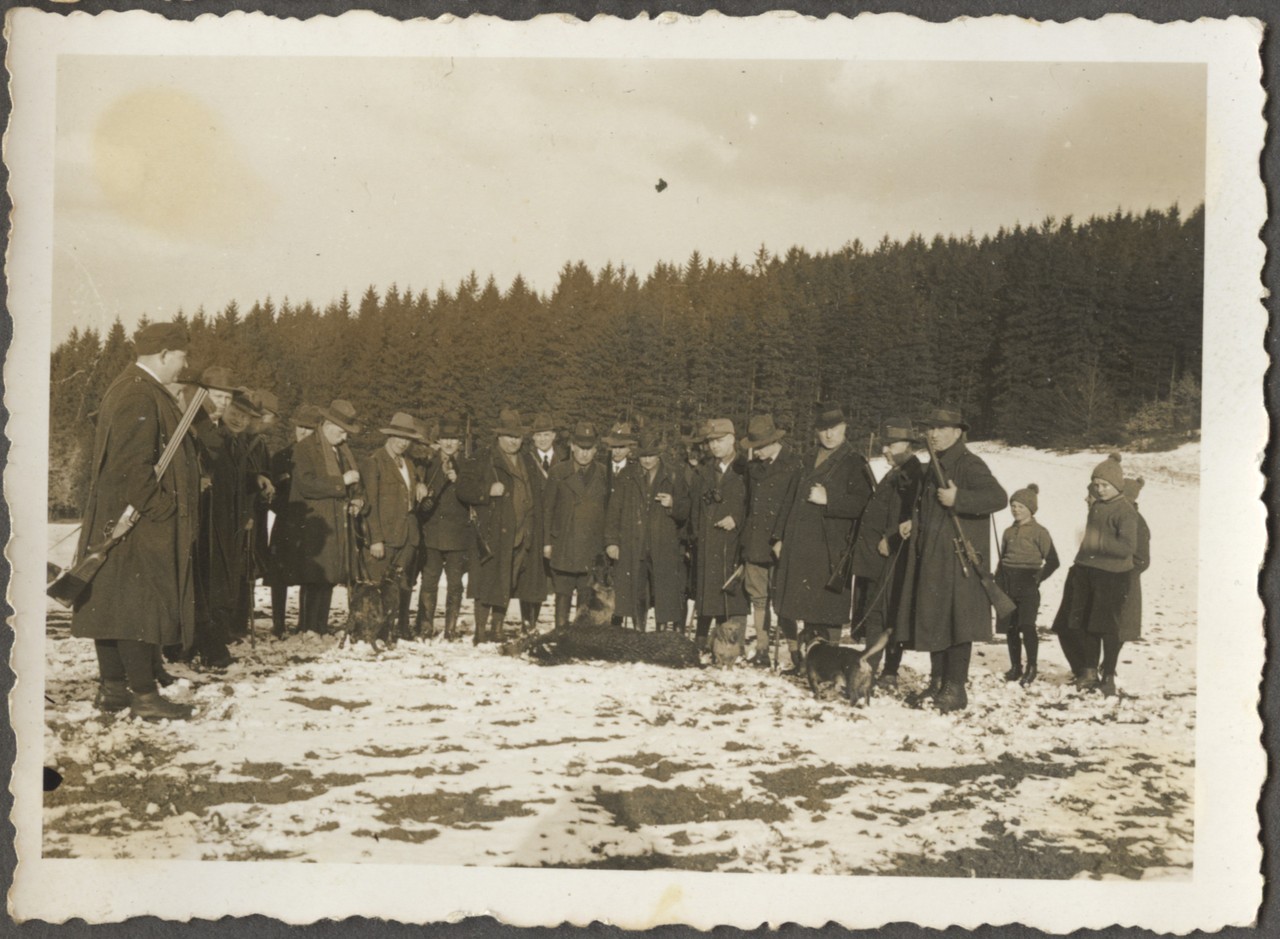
<point>876,647</point>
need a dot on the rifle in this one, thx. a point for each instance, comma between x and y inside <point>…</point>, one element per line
<point>72,582</point>
<point>965,551</point>
<point>842,573</point>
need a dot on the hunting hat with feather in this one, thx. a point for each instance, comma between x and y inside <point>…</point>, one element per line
<point>718,427</point>
<point>584,435</point>
<point>620,435</point>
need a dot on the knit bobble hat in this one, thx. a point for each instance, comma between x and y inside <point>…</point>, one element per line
<point>1027,497</point>
<point>1109,470</point>
<point>1132,487</point>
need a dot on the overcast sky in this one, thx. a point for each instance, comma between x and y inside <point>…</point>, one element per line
<point>184,182</point>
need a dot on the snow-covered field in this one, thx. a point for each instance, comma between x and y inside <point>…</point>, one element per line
<point>450,754</point>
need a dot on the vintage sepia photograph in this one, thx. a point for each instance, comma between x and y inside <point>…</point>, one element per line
<point>692,450</point>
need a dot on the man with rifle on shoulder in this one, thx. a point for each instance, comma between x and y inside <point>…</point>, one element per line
<point>144,490</point>
<point>950,591</point>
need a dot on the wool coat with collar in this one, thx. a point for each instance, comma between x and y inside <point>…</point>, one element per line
<point>719,495</point>
<point>511,524</point>
<point>315,536</point>
<point>770,489</point>
<point>390,501</point>
<point>444,520</point>
<point>575,512</point>
<point>641,527</point>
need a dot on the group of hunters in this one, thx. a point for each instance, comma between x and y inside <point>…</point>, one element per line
<point>728,524</point>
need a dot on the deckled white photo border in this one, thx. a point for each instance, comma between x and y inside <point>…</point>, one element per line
<point>1226,885</point>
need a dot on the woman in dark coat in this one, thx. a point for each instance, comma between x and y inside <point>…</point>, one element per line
<point>642,531</point>
<point>316,547</point>
<point>943,612</point>
<point>831,491</point>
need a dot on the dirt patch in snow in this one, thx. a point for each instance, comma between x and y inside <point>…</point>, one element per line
<point>653,861</point>
<point>811,784</point>
<point>326,703</point>
<point>681,805</point>
<point>450,809</point>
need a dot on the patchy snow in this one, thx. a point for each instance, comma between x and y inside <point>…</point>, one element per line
<point>441,753</point>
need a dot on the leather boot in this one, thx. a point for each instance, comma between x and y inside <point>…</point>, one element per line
<point>1014,673</point>
<point>564,601</point>
<point>1108,684</point>
<point>1029,675</point>
<point>482,624</point>
<point>1088,680</point>
<point>951,698</point>
<point>424,624</point>
<point>152,706</point>
<point>451,607</point>
<point>112,696</point>
<point>919,699</point>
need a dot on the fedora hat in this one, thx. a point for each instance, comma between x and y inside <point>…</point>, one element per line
<point>403,425</point>
<point>944,417</point>
<point>620,435</point>
<point>245,399</point>
<point>761,431</point>
<point>829,415</point>
<point>542,422</point>
<point>717,427</point>
<point>689,434</point>
<point>584,435</point>
<point>308,416</point>
<point>219,379</point>
<point>266,401</point>
<point>650,444</point>
<point>509,424</point>
<point>451,427</point>
<point>896,429</point>
<point>343,414</point>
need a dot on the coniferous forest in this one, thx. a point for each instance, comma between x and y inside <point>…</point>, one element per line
<point>1059,335</point>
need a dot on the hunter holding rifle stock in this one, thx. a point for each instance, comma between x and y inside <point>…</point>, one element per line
<point>946,608</point>
<point>143,595</point>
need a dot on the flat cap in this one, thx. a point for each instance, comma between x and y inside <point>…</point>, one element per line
<point>155,338</point>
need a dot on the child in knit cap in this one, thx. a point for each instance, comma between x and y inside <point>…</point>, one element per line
<point>1027,558</point>
<point>1089,623</point>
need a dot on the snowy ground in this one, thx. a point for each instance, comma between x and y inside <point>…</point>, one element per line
<point>450,754</point>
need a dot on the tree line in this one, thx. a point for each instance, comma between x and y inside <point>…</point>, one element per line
<point>1056,335</point>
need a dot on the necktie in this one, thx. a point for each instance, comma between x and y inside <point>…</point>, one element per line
<point>546,461</point>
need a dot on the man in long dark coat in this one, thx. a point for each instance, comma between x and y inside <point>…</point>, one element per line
<point>643,532</point>
<point>535,580</point>
<point>720,511</point>
<point>577,495</point>
<point>830,493</point>
<point>392,491</point>
<point>944,612</point>
<point>143,596</point>
<point>317,545</point>
<point>444,532</point>
<point>286,507</point>
<point>498,487</point>
<point>222,551</point>
<point>878,563</point>
<point>771,477</point>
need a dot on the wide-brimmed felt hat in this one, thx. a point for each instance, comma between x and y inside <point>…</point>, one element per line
<point>265,401</point>
<point>651,444</point>
<point>155,338</point>
<point>452,427</point>
<point>897,429</point>
<point>342,413</point>
<point>218,378</point>
<point>761,431</point>
<point>584,435</point>
<point>403,425</point>
<point>242,398</point>
<point>308,416</point>
<point>943,417</point>
<point>829,414</point>
<point>542,422</point>
<point>509,424</point>
<point>718,427</point>
<point>689,434</point>
<point>620,435</point>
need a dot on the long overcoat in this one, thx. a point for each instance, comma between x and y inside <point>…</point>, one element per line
<point>892,503</point>
<point>815,537</point>
<point>637,523</point>
<point>227,508</point>
<point>494,581</point>
<point>717,553</point>
<point>770,489</point>
<point>145,589</point>
<point>535,579</point>
<point>445,521</point>
<point>283,508</point>
<point>313,537</point>
<point>1131,611</point>
<point>940,606</point>
<point>575,510</point>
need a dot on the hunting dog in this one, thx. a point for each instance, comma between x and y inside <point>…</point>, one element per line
<point>826,663</point>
